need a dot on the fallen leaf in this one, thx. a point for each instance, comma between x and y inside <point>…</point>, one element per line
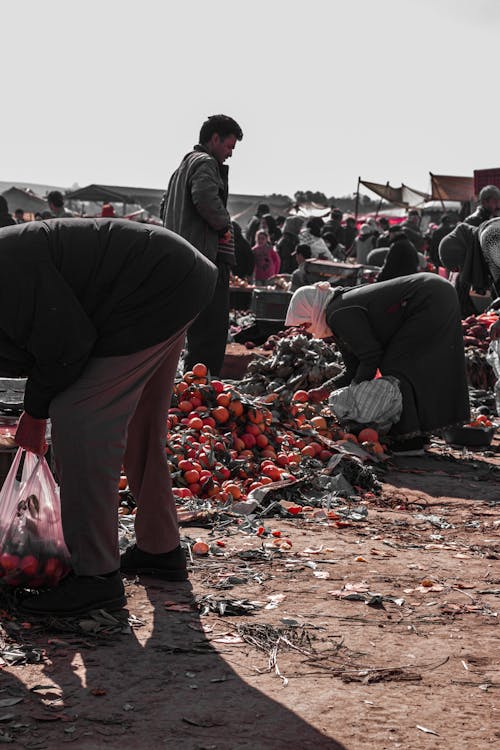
<point>229,639</point>
<point>427,731</point>
<point>321,574</point>
<point>274,600</point>
<point>427,589</point>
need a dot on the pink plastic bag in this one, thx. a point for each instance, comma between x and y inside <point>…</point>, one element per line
<point>33,553</point>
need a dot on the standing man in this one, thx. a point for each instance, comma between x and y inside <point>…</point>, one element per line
<point>194,206</point>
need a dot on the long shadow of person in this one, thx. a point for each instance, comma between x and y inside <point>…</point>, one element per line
<point>160,685</point>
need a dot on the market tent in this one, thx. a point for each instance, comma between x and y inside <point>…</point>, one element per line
<point>147,198</point>
<point>25,199</point>
<point>401,196</point>
<point>243,207</point>
<point>450,188</point>
<point>310,209</point>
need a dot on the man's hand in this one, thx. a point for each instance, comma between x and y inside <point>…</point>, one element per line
<point>495,330</point>
<point>30,434</point>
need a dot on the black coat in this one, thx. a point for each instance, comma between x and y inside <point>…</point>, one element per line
<point>408,327</point>
<point>75,288</point>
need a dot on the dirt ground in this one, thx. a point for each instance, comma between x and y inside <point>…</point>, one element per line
<point>379,634</point>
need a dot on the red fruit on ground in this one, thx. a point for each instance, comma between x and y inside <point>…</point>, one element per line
<point>301,396</point>
<point>368,435</point>
<point>29,565</point>
<point>8,561</point>
<point>191,476</point>
<point>200,370</point>
<point>248,439</point>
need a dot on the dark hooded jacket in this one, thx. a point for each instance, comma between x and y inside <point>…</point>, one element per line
<point>401,260</point>
<point>75,288</point>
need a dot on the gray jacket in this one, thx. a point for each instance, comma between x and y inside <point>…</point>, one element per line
<point>194,205</point>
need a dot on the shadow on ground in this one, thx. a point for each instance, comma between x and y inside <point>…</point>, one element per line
<point>162,685</point>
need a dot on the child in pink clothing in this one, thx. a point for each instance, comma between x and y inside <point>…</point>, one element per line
<point>267,260</point>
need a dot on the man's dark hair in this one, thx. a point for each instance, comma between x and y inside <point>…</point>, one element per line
<point>19,211</point>
<point>56,198</point>
<point>315,225</point>
<point>303,249</point>
<point>223,125</point>
<point>262,209</point>
<point>4,206</point>
<point>384,222</point>
<point>398,236</point>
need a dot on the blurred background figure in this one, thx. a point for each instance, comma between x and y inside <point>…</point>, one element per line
<point>411,227</point>
<point>488,207</point>
<point>334,226</point>
<point>268,222</point>
<point>19,216</point>
<point>311,235</point>
<point>363,244</point>
<point>56,204</point>
<point>288,242</point>
<point>267,260</point>
<point>401,260</point>
<point>108,211</point>
<point>337,250</point>
<point>446,224</point>
<point>383,239</point>
<point>243,255</point>
<point>300,277</point>
<point>350,232</point>
<point>6,219</point>
<point>254,223</point>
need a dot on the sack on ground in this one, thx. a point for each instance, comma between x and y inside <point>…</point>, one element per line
<point>33,553</point>
<point>375,402</point>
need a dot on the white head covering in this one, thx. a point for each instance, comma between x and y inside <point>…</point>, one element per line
<point>308,305</point>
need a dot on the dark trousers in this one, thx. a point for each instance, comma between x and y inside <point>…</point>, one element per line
<point>114,414</point>
<point>207,336</point>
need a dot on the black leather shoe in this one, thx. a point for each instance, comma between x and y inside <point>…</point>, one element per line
<point>78,595</point>
<point>171,566</point>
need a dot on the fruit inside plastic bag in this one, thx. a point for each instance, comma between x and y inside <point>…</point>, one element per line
<point>33,553</point>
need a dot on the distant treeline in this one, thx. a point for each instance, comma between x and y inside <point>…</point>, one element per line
<point>346,203</point>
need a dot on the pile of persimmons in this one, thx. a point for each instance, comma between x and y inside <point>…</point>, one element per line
<point>221,445</point>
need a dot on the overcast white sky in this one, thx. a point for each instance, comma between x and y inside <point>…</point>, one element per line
<point>114,91</point>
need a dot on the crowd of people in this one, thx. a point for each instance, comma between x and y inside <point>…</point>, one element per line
<point>467,252</point>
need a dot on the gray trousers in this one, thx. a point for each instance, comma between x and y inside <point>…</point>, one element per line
<point>116,414</point>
